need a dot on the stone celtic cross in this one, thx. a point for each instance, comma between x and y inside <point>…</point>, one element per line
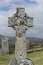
<point>20,22</point>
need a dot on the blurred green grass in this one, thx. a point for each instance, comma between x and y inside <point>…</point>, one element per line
<point>35,54</point>
<point>4,59</point>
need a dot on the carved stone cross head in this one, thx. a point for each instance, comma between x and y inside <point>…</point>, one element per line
<point>20,21</point>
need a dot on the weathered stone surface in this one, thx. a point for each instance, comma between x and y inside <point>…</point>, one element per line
<point>21,12</point>
<point>20,16</point>
<point>5,46</point>
<point>26,62</point>
<point>20,48</point>
<point>21,62</point>
<point>20,22</point>
<point>13,62</point>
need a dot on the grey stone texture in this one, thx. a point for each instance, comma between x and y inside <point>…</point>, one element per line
<point>13,62</point>
<point>21,62</point>
<point>21,17</point>
<point>25,62</point>
<point>20,48</point>
<point>20,22</point>
<point>5,46</point>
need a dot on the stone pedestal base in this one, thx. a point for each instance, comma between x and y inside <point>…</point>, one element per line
<point>21,62</point>
<point>13,62</point>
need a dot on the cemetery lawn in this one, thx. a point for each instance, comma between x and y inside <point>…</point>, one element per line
<point>35,54</point>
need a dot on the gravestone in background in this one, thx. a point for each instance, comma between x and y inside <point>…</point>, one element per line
<point>20,22</point>
<point>5,46</point>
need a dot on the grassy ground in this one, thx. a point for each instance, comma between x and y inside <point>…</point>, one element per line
<point>36,55</point>
<point>4,59</point>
